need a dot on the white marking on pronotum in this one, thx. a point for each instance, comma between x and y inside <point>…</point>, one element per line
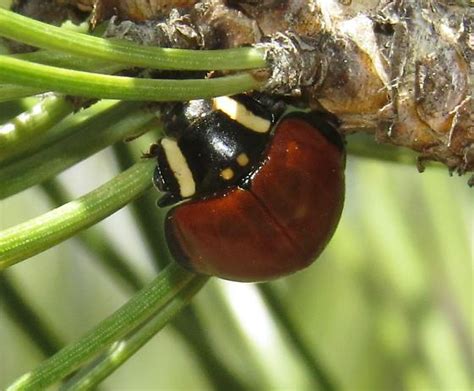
<point>238,112</point>
<point>179,166</point>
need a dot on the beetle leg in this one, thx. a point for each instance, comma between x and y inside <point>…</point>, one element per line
<point>152,152</point>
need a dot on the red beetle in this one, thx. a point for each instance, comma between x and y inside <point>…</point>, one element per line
<point>266,194</point>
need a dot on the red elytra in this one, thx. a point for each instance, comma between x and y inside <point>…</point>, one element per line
<point>277,226</point>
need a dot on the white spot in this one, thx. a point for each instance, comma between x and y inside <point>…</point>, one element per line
<point>7,129</point>
<point>179,166</point>
<point>238,112</point>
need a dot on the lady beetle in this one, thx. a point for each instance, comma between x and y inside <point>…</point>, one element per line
<point>262,192</point>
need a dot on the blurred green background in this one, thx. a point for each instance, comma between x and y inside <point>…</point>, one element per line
<point>388,306</point>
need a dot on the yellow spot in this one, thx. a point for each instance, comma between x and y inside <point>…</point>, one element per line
<point>243,159</point>
<point>227,174</point>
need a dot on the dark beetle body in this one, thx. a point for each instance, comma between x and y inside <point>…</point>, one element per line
<point>277,212</point>
<point>210,142</point>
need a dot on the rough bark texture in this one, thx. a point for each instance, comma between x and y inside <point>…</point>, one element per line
<point>401,70</point>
